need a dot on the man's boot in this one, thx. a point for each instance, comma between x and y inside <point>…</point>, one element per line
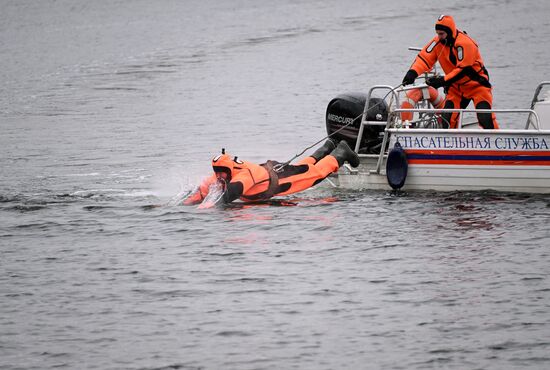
<point>344,153</point>
<point>325,150</point>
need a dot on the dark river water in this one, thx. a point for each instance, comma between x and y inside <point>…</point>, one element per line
<point>110,110</point>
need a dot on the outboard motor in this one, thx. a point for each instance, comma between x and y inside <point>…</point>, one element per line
<point>346,110</point>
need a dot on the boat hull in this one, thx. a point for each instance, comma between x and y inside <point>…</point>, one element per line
<point>450,160</point>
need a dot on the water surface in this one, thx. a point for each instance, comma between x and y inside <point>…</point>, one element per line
<point>109,110</point>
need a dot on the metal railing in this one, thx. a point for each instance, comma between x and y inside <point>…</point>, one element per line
<point>530,112</point>
<point>395,96</point>
<point>536,100</point>
<point>395,114</point>
<point>364,121</point>
<point>393,118</point>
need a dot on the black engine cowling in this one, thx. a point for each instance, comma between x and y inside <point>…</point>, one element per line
<point>346,110</point>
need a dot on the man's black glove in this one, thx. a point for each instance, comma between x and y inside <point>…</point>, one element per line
<point>409,77</point>
<point>436,81</point>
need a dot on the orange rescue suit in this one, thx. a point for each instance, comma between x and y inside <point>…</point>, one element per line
<point>465,74</point>
<point>249,181</point>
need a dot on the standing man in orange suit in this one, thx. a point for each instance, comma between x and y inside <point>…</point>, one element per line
<point>466,77</point>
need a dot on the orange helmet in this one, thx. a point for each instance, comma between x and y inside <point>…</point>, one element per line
<point>223,163</point>
<point>446,23</point>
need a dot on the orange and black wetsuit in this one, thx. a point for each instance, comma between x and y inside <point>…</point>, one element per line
<point>250,181</point>
<point>466,77</point>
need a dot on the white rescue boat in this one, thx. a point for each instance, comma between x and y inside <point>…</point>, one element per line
<point>424,156</point>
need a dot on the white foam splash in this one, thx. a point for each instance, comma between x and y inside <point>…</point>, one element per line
<point>215,193</point>
<point>174,184</point>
